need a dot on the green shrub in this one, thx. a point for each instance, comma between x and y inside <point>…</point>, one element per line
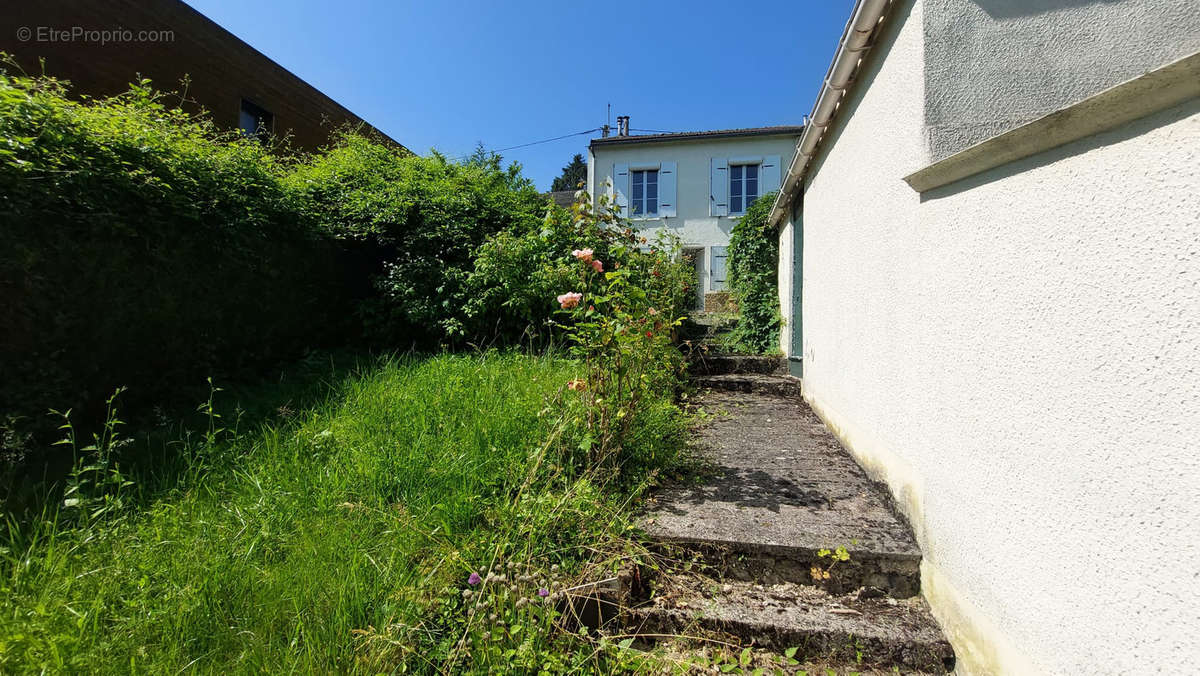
<point>517,274</point>
<point>754,278</point>
<point>621,321</point>
<point>144,248</point>
<point>424,217</point>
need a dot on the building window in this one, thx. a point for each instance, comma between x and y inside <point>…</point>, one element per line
<point>645,193</point>
<point>255,121</point>
<point>743,187</point>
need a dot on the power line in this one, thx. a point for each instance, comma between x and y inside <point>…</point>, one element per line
<point>654,131</point>
<point>534,143</point>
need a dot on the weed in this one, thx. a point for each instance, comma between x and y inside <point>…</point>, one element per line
<point>95,487</point>
<point>340,539</point>
<point>835,556</point>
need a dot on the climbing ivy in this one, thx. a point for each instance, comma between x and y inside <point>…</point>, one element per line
<point>754,278</point>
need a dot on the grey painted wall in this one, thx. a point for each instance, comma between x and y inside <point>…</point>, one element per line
<point>993,65</point>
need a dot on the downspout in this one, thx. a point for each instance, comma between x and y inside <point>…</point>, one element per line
<point>854,45</point>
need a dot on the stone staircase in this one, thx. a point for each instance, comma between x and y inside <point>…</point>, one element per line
<point>743,373</point>
<point>751,552</point>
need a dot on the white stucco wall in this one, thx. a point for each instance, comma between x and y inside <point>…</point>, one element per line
<point>1016,355</point>
<point>992,65</point>
<point>692,223</point>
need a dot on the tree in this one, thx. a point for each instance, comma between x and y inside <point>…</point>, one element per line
<point>572,175</point>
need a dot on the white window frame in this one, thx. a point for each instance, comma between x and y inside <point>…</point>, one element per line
<point>742,181</point>
<point>637,206</point>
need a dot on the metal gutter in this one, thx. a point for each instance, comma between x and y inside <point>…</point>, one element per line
<point>855,43</point>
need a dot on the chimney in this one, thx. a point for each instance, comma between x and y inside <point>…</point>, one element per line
<point>622,125</point>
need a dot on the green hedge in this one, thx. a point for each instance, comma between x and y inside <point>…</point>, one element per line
<point>144,248</point>
<point>425,219</point>
<point>518,273</point>
<point>754,278</point>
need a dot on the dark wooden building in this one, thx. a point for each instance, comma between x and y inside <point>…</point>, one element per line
<point>102,46</point>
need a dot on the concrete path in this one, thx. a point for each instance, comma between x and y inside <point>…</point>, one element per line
<point>782,487</point>
<point>779,495</point>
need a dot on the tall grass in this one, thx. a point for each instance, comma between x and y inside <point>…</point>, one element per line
<point>339,539</point>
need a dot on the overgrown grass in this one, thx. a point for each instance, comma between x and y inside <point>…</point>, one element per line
<point>341,538</point>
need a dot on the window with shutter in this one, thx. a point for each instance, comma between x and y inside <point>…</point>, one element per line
<point>743,187</point>
<point>645,193</point>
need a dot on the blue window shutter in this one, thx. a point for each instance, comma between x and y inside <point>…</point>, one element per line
<point>719,186</point>
<point>769,175</point>
<point>666,189</point>
<point>719,254</point>
<point>621,187</point>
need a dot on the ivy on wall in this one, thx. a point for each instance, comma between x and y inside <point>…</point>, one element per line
<point>754,278</point>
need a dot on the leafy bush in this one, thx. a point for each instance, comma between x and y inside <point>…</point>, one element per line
<point>517,274</point>
<point>424,218</point>
<point>754,278</point>
<point>148,250</point>
<point>144,248</point>
<point>621,323</point>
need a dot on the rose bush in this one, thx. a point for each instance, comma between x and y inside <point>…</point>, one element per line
<point>621,323</point>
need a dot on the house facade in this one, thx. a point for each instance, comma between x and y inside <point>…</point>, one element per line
<point>991,274</point>
<point>694,185</point>
<point>101,47</point>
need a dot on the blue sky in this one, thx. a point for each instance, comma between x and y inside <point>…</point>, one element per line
<point>448,74</point>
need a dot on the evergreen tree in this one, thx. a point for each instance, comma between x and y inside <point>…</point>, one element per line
<point>572,175</point>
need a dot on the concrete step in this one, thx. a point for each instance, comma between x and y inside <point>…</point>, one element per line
<point>858,631</point>
<point>702,328</point>
<point>725,364</point>
<point>778,490</point>
<point>756,383</point>
<point>894,574</point>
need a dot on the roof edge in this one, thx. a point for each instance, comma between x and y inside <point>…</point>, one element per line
<point>783,130</point>
<point>858,37</point>
<point>231,35</point>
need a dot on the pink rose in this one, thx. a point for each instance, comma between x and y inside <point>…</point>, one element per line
<point>584,255</point>
<point>597,266</point>
<point>569,300</point>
